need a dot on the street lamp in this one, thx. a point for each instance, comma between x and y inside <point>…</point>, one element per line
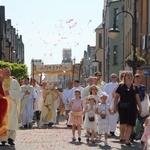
<point>73,69</point>
<point>95,61</point>
<point>113,33</point>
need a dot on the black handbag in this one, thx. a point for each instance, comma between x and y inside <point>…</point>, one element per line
<point>124,105</point>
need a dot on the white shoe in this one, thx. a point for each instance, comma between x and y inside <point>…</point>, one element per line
<point>105,143</point>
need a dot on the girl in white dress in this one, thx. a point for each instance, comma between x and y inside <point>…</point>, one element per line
<point>103,111</point>
<point>90,118</point>
<point>94,91</point>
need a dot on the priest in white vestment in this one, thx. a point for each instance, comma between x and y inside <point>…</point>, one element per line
<point>12,92</point>
<point>66,96</point>
<point>109,88</point>
<point>28,97</point>
<point>38,102</point>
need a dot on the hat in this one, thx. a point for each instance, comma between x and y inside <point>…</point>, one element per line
<point>91,96</point>
<point>103,94</point>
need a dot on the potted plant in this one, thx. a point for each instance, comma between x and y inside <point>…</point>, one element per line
<point>131,63</point>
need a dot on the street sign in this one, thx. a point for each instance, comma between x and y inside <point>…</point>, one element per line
<point>146,72</point>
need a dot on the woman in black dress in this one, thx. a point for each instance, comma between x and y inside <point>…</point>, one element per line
<point>127,106</point>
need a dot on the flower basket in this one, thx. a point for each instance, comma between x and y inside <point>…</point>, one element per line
<point>77,113</point>
<point>131,63</point>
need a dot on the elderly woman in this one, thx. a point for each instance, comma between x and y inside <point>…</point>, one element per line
<point>127,106</point>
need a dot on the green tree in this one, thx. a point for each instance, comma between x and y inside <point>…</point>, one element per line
<point>17,70</point>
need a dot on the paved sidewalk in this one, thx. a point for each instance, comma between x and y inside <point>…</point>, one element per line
<point>59,137</point>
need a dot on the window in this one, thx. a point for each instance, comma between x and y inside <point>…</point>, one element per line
<point>116,10</point>
<point>100,40</point>
<point>115,55</point>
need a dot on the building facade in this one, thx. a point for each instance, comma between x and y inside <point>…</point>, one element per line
<point>11,43</point>
<point>100,51</point>
<point>142,31</point>
<point>114,50</point>
<point>2,32</point>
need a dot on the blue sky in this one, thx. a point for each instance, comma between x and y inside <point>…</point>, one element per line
<point>48,26</point>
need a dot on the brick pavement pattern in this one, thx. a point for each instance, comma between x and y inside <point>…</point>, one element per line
<point>59,137</point>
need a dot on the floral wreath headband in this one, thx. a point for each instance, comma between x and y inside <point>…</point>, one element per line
<point>93,86</point>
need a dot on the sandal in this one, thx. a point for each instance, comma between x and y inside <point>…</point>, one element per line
<point>92,141</point>
<point>128,144</point>
<point>73,139</point>
<point>122,141</point>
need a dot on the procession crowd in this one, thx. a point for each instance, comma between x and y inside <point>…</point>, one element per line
<point>97,108</point>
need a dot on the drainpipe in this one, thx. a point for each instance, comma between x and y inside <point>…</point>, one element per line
<point>147,10</point>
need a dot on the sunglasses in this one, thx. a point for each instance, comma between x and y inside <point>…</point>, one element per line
<point>113,77</point>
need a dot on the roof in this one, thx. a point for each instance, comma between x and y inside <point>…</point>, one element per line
<point>100,26</point>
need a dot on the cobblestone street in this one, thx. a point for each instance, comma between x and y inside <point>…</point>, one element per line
<point>59,137</point>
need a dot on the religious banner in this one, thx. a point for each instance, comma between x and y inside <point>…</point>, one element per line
<point>53,68</point>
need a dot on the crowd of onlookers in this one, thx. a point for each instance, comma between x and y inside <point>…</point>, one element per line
<point>97,108</point>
